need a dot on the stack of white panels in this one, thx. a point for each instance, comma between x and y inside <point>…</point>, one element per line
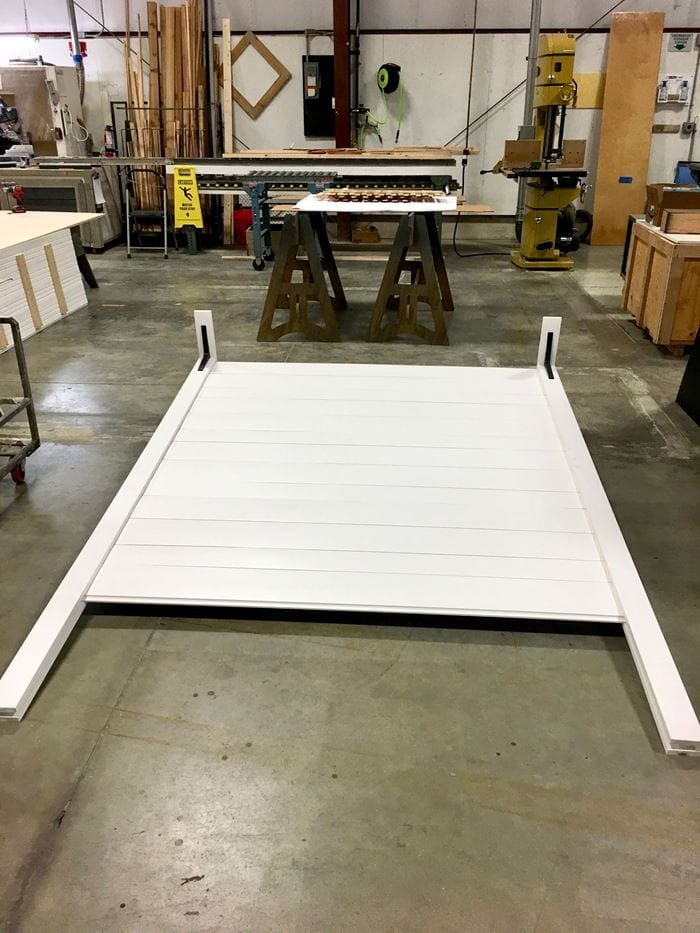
<point>41,281</point>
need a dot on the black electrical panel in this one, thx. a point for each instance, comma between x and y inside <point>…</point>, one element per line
<point>317,91</point>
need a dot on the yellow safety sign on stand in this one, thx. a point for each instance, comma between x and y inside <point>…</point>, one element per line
<point>188,211</point>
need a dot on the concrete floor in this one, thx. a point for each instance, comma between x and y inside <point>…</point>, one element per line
<point>344,777</point>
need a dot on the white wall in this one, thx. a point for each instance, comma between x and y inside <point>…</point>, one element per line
<point>50,15</point>
<point>434,66</point>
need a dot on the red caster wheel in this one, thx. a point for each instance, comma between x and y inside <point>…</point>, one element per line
<point>17,473</point>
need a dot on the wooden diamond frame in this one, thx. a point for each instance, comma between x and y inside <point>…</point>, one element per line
<point>283,75</point>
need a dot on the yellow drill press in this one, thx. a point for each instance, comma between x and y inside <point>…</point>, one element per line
<point>550,166</point>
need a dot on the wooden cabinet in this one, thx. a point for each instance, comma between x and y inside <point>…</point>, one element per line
<point>662,289</point>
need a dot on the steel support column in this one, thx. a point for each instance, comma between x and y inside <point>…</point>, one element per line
<point>341,91</point>
<point>527,130</point>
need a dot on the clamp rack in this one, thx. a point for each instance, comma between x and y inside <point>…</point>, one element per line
<point>15,450</point>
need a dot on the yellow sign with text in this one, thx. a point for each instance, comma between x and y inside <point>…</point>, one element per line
<point>188,211</point>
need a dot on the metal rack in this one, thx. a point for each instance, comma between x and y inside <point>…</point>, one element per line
<point>259,185</point>
<point>15,450</point>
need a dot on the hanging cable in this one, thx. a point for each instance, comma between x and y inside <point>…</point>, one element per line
<point>600,18</point>
<point>99,34</point>
<point>107,30</point>
<point>71,123</point>
<point>465,154</point>
<point>523,82</point>
<point>471,81</point>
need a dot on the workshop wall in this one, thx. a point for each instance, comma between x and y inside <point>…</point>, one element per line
<point>381,15</point>
<point>435,69</point>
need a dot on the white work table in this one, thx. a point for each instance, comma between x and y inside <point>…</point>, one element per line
<point>16,229</point>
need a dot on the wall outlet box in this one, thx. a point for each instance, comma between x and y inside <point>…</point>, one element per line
<point>674,89</point>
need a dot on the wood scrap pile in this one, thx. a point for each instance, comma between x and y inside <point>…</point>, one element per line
<point>167,108</point>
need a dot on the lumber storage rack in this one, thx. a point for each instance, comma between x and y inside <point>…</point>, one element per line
<point>15,450</point>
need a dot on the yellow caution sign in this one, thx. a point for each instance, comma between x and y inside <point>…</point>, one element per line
<point>188,211</point>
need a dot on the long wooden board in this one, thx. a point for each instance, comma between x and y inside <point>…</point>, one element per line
<point>628,112</point>
<point>227,117</point>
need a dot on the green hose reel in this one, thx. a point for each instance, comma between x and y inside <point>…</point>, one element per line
<point>389,78</point>
<point>388,81</point>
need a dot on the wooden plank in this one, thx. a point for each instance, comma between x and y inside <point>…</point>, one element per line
<point>177,116</point>
<point>227,122</point>
<point>686,320</point>
<point>23,270</point>
<point>628,112</point>
<point>680,221</point>
<point>154,60</point>
<point>227,99</point>
<point>56,279</point>
<point>365,155</point>
<point>521,153</point>
<point>573,153</point>
<point>168,77</point>
<point>474,209</point>
<point>590,91</point>
<point>669,300</point>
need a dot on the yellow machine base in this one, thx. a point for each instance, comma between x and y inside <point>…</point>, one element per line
<point>557,262</point>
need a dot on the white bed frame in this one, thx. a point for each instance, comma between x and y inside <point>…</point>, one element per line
<point>600,586</point>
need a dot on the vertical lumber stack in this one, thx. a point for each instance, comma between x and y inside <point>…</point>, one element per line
<point>167,110</point>
<point>227,121</point>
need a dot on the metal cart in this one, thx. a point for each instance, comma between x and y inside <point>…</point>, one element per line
<point>14,451</point>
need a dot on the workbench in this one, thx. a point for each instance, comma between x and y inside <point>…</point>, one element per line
<point>410,285</point>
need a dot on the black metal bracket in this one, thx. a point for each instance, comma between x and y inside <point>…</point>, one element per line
<point>205,348</point>
<point>548,354</point>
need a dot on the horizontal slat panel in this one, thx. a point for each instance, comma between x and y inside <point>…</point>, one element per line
<point>427,439</point>
<point>391,539</point>
<point>533,511</point>
<point>491,379</point>
<point>350,590</point>
<point>325,456</point>
<point>457,416</point>
<point>373,390</point>
<point>349,481</point>
<point>527,568</point>
<point>425,489</point>
<point>366,430</point>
